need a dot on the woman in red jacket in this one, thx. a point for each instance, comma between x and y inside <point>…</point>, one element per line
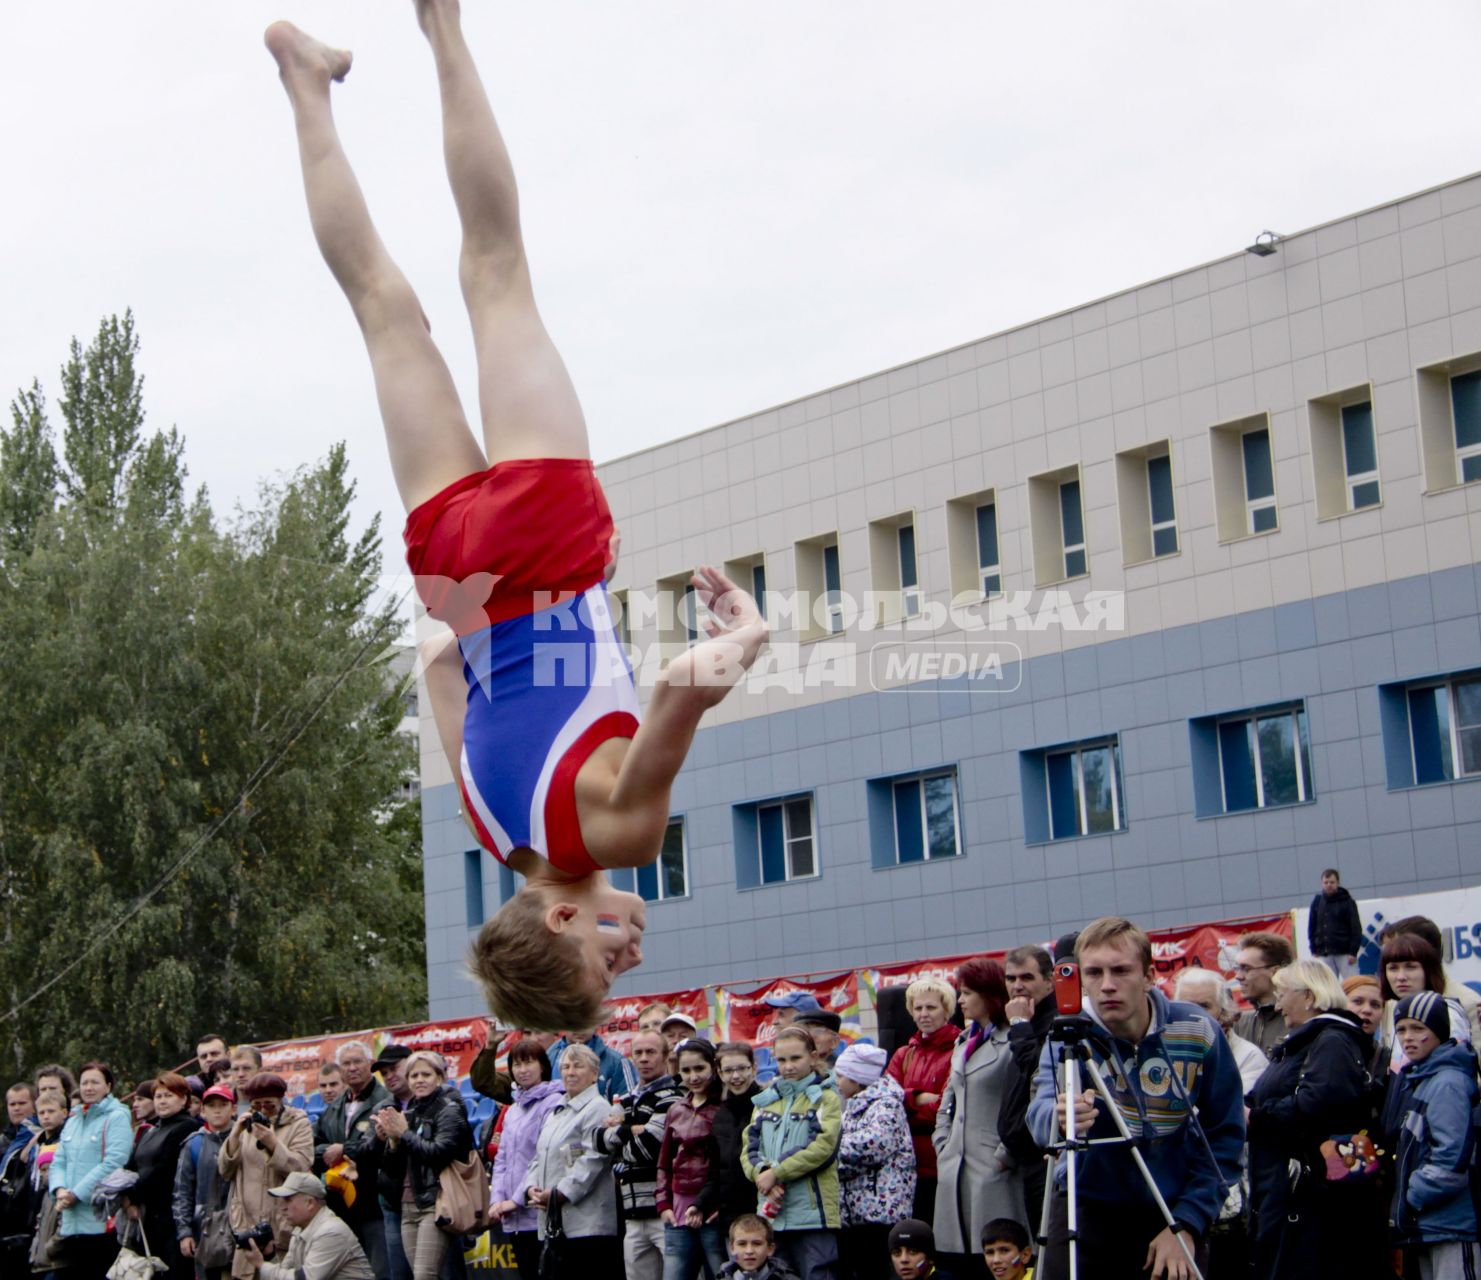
<point>921,1068</point>
<point>700,1141</point>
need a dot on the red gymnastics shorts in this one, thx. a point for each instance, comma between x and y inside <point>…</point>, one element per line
<point>524,535</point>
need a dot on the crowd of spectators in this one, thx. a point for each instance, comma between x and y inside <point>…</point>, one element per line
<point>1325,1130</point>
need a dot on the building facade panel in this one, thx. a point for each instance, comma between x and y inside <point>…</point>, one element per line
<point>1274,601</point>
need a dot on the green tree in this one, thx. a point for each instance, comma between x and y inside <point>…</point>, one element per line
<point>155,665</point>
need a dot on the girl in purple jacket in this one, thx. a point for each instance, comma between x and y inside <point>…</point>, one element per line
<point>536,1095</point>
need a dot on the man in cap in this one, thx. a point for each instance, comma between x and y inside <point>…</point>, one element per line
<point>321,1246</point>
<point>789,1004</point>
<point>824,1026</point>
<point>391,1064</point>
<point>677,1028</point>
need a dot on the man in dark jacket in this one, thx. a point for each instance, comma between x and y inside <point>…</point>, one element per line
<point>344,1131</point>
<point>1030,975</point>
<point>1334,929</point>
<point>633,1136</point>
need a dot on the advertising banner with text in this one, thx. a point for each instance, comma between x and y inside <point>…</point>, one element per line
<point>1456,912</point>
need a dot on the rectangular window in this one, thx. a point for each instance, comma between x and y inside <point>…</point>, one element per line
<point>758,585</point>
<point>1084,789</point>
<point>1160,503</point>
<point>1259,481</point>
<point>1445,729</point>
<point>910,593</point>
<point>669,876</point>
<point>832,588</point>
<point>473,886</point>
<point>620,615</point>
<point>1360,456</point>
<point>1072,529</point>
<point>925,817</point>
<point>1465,402</point>
<point>989,567</point>
<point>1265,759</point>
<point>787,841</point>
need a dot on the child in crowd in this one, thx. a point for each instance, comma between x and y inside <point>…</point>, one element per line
<point>913,1251</point>
<point>752,1251</point>
<point>790,1152</point>
<point>199,1187</point>
<point>1428,1123</point>
<point>1006,1250</point>
<point>511,542</point>
<point>51,1115</point>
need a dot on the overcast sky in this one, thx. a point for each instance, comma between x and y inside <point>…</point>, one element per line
<point>726,206</point>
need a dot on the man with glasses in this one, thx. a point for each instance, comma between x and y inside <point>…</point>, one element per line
<point>1259,956</point>
<point>632,1138</point>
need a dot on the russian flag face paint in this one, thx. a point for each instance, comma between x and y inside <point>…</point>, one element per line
<point>607,923</point>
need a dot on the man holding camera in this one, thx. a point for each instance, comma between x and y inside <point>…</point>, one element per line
<point>267,1142</point>
<point>1173,1080</point>
<point>321,1247</point>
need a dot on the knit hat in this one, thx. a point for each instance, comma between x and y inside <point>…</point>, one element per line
<point>1427,1007</point>
<point>862,1063</point>
<point>912,1233</point>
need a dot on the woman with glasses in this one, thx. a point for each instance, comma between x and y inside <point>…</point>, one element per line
<point>737,1063</point>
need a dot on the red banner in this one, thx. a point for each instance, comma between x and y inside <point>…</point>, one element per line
<point>1209,946</point>
<point>297,1061</point>
<point>943,967</point>
<point>618,1032</point>
<point>748,1017</point>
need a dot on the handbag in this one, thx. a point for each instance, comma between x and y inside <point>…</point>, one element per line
<point>552,1256</point>
<point>136,1266</point>
<point>462,1206</point>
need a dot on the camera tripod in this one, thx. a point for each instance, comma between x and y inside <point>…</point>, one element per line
<point>1072,1033</point>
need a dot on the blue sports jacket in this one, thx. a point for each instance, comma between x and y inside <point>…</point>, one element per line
<point>1183,1060</point>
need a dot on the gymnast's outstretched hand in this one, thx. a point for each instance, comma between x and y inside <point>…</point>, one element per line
<point>736,632</point>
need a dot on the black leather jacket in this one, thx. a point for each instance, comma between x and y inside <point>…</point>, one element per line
<point>437,1133</point>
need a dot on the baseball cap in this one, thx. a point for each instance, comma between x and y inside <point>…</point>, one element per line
<point>683,1019</point>
<point>802,1001</point>
<point>299,1184</point>
<point>391,1053</point>
<point>219,1091</point>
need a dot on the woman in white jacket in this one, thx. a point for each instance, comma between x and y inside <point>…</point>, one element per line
<point>570,1174</point>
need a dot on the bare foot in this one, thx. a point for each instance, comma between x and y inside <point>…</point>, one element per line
<point>299,55</point>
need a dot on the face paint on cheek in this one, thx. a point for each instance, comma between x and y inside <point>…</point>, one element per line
<point>609,924</point>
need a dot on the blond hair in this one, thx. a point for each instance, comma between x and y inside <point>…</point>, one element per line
<point>434,1060</point>
<point>1314,977</point>
<point>1118,932</point>
<point>931,987</point>
<point>531,977</point>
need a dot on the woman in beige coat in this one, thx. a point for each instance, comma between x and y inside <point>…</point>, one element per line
<point>257,1157</point>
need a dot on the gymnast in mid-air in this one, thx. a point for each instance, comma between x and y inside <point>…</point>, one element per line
<point>511,543</point>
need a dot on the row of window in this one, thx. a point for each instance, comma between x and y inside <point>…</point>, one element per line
<point>1344,452</point>
<point>1255,759</point>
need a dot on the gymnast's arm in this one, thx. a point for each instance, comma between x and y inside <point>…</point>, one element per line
<point>630,828</point>
<point>442,668</point>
